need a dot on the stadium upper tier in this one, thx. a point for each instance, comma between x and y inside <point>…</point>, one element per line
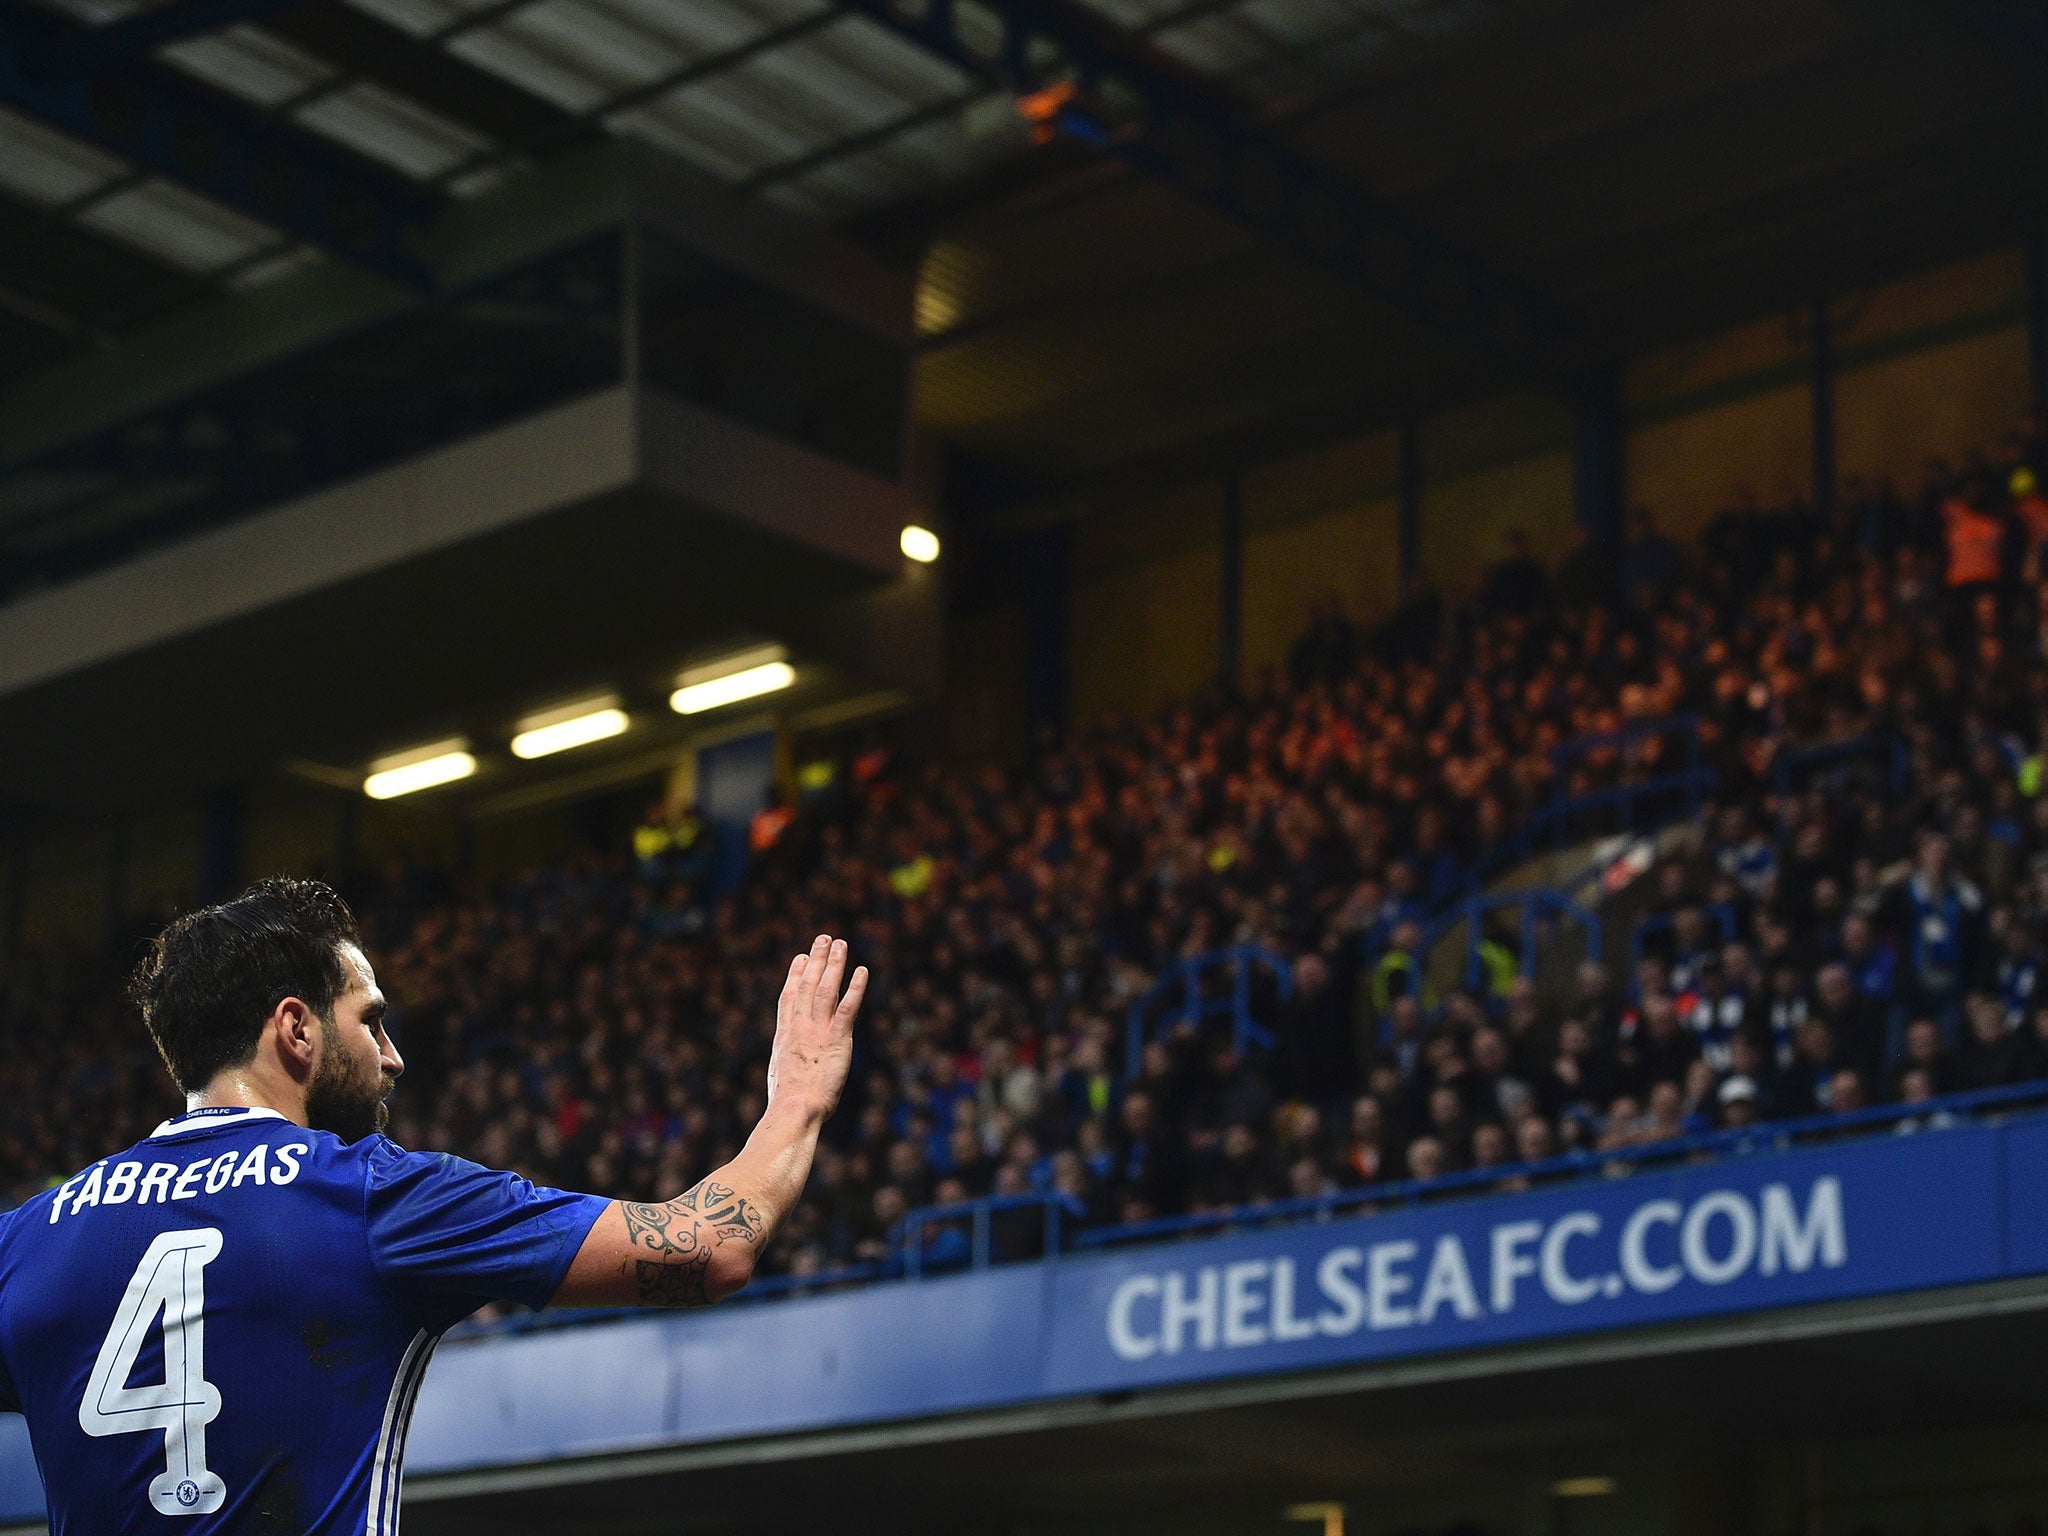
<point>1866,931</point>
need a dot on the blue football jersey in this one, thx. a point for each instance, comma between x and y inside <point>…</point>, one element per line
<point>225,1327</point>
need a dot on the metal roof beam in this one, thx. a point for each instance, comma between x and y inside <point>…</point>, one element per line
<point>363,46</point>
<point>272,171</point>
<point>1076,77</point>
<point>565,132</point>
<point>132,36</point>
<point>199,347</point>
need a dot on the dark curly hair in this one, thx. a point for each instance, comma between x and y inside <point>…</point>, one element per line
<point>213,976</point>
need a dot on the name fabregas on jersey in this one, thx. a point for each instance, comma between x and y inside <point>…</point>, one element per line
<point>109,1183</point>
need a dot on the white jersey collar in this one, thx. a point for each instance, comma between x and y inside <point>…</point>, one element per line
<point>208,1118</point>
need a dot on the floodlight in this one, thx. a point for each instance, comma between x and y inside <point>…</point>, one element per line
<point>1583,1487</point>
<point>743,675</point>
<point>572,725</point>
<point>405,773</point>
<point>921,544</point>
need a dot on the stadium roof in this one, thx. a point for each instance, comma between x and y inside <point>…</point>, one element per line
<point>1597,171</point>
<point>809,104</point>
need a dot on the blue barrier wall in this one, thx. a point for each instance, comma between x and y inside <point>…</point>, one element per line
<point>1737,1236</point>
<point>1879,1215</point>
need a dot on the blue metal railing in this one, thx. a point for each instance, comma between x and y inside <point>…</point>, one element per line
<point>1558,822</point>
<point>1627,736</point>
<point>1537,904</point>
<point>1886,744</point>
<point>1680,794</point>
<point>1189,975</point>
<point>1570,819</point>
<point>1765,1136</point>
<point>909,1263</point>
<point>1720,914</point>
<point>771,1286</point>
<point>765,1288</point>
<point>914,1233</point>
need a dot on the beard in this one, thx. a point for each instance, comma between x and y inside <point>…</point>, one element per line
<point>343,1099</point>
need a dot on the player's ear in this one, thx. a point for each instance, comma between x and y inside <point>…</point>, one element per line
<point>296,1033</point>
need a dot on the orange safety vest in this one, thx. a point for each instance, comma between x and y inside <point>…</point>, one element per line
<point>2033,511</point>
<point>1974,540</point>
<point>768,825</point>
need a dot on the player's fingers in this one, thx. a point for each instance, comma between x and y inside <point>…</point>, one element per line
<point>784,1003</point>
<point>814,967</point>
<point>849,1005</point>
<point>828,984</point>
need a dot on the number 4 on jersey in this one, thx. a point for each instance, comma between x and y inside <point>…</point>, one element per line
<point>171,1279</point>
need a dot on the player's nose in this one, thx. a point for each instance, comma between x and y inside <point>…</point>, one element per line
<point>389,1060</point>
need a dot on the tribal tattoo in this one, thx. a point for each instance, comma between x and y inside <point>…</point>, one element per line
<point>673,1285</point>
<point>661,1230</point>
<point>674,1235</point>
<point>728,1213</point>
<point>675,1276</point>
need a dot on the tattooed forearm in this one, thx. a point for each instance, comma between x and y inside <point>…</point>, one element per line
<point>673,1243</point>
<point>673,1285</point>
<point>674,1276</point>
<point>661,1230</point>
<point>729,1213</point>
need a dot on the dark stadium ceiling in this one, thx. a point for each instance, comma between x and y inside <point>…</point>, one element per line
<point>1602,174</point>
<point>1651,170</point>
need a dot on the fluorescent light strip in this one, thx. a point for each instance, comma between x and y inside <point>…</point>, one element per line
<point>541,736</point>
<point>716,692</point>
<point>409,772</point>
<point>1584,1487</point>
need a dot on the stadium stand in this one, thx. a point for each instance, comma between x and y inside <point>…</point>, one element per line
<point>1441,965</point>
<point>1852,916</point>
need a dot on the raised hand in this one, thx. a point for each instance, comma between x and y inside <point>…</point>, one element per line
<point>704,1244</point>
<point>814,1028</point>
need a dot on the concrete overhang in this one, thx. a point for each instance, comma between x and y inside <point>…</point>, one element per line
<point>598,544</point>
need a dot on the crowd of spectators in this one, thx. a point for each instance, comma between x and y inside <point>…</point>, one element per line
<point>1868,928</point>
